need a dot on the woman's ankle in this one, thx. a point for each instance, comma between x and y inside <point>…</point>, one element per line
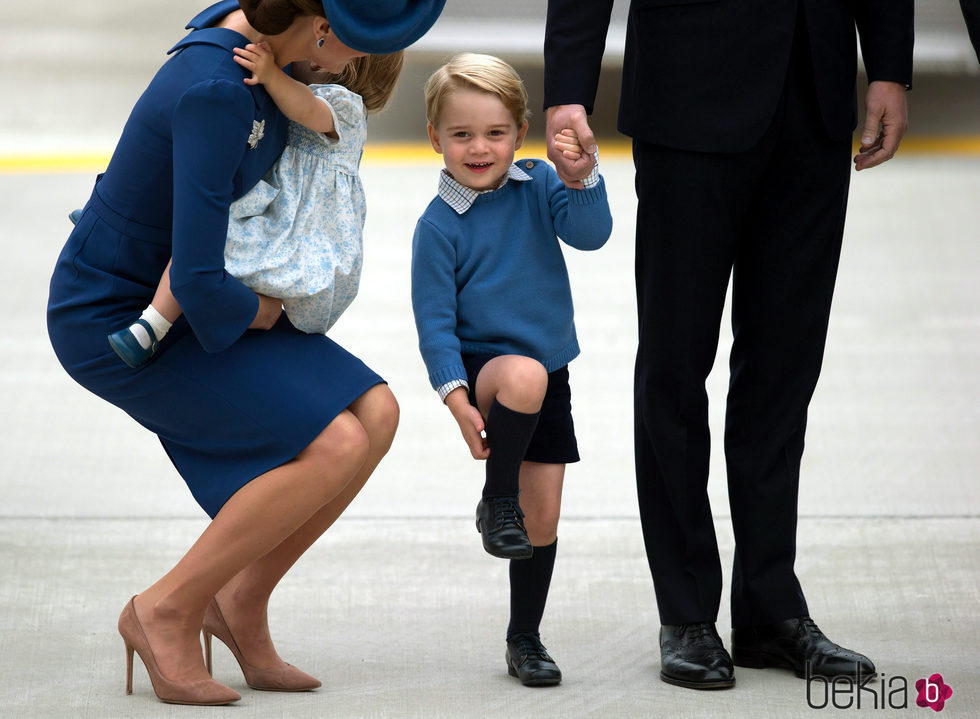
<point>167,610</point>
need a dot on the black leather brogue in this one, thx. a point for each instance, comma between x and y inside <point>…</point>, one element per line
<point>797,644</point>
<point>501,523</point>
<point>692,656</point>
<point>529,661</point>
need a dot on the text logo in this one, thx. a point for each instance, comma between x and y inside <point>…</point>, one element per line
<point>933,692</point>
<point>856,691</point>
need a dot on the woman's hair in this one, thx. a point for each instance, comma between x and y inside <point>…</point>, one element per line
<point>271,17</point>
<point>474,71</point>
<point>373,77</point>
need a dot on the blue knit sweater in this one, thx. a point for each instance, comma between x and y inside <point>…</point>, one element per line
<point>493,280</point>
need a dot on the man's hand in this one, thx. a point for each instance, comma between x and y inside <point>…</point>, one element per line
<point>470,422</point>
<point>560,118</point>
<point>886,121</point>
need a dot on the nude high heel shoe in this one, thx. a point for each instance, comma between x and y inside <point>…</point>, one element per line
<point>284,678</point>
<point>203,692</point>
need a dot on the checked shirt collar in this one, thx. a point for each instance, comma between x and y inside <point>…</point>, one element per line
<point>461,198</point>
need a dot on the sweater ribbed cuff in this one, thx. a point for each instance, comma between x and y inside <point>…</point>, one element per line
<point>445,375</point>
<point>589,195</point>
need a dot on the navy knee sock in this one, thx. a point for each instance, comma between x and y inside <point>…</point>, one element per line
<point>530,580</point>
<point>508,435</point>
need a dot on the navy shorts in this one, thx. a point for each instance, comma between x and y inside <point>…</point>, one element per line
<point>554,438</point>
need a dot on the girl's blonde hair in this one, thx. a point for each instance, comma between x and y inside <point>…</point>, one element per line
<point>486,73</point>
<point>373,77</point>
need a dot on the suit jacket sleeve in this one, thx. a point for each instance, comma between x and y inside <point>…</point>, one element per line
<point>971,15</point>
<point>886,31</point>
<point>575,38</point>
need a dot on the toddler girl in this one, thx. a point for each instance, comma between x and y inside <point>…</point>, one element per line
<point>296,235</point>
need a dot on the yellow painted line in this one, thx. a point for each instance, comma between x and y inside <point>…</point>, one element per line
<point>953,145</point>
<point>411,153</point>
<point>418,152</point>
<point>54,162</point>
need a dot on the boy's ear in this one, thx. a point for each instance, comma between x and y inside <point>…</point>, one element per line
<point>521,133</point>
<point>434,138</point>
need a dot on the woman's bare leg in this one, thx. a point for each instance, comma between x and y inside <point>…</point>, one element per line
<point>256,520</point>
<point>245,598</point>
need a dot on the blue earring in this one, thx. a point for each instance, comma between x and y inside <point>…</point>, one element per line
<point>319,43</point>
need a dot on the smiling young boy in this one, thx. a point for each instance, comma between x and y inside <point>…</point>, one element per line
<point>493,309</point>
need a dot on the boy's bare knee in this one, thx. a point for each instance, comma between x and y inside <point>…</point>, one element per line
<point>523,384</point>
<point>541,533</point>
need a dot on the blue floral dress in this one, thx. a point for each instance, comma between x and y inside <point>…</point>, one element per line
<point>297,235</point>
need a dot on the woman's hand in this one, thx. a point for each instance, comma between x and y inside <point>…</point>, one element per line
<point>470,422</point>
<point>269,312</point>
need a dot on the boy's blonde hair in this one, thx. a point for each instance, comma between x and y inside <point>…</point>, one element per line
<point>373,77</point>
<point>473,71</point>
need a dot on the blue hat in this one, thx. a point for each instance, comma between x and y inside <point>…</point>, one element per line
<point>379,27</point>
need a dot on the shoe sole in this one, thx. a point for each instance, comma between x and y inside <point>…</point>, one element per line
<point>697,685</point>
<point>126,355</point>
<point>532,682</point>
<point>501,555</point>
<point>524,554</point>
<point>764,660</point>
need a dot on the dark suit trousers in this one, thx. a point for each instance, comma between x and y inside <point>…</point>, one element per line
<point>771,218</point>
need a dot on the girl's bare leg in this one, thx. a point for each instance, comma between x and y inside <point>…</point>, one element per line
<point>256,520</point>
<point>164,301</point>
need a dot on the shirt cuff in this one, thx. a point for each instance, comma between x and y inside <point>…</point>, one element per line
<point>445,389</point>
<point>593,177</point>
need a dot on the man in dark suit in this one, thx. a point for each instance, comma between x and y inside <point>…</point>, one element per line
<point>741,114</point>
<point>971,16</point>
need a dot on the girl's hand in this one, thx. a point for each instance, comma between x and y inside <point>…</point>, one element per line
<point>470,422</point>
<point>257,58</point>
<point>270,309</point>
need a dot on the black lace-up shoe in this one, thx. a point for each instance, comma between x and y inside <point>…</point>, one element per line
<point>529,661</point>
<point>501,522</point>
<point>692,656</point>
<point>797,644</point>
